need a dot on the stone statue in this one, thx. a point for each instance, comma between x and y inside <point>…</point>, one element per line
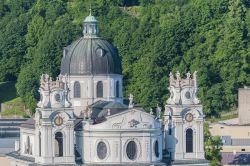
<point>158,112</point>
<point>188,75</point>
<point>151,111</point>
<point>131,103</point>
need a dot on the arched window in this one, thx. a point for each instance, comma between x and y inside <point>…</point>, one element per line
<point>58,144</point>
<point>27,146</point>
<point>117,89</point>
<point>77,90</point>
<point>156,149</point>
<point>40,150</point>
<point>99,89</point>
<point>57,97</point>
<point>189,141</point>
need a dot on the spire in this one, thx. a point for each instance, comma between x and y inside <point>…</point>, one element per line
<point>90,26</point>
<point>90,11</point>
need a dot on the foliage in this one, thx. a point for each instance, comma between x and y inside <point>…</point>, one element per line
<point>14,112</point>
<point>7,91</point>
<point>213,145</point>
<point>154,37</point>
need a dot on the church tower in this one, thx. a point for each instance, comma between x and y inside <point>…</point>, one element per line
<point>184,119</point>
<point>54,123</point>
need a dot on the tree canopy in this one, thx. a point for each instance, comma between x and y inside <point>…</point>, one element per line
<point>154,37</point>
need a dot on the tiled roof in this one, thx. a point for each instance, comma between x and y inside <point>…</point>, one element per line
<point>238,158</point>
<point>21,157</point>
<point>191,161</point>
<point>30,124</point>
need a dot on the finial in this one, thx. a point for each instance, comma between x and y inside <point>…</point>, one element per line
<point>195,75</point>
<point>178,76</point>
<point>171,76</point>
<point>90,10</point>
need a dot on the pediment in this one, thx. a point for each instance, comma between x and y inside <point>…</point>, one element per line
<point>130,119</point>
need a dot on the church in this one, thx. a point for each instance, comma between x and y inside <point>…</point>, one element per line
<point>82,119</point>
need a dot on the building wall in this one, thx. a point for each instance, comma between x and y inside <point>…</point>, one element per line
<point>116,132</point>
<point>116,143</point>
<point>24,133</point>
<point>233,132</point>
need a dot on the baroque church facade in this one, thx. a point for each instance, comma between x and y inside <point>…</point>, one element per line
<point>81,118</point>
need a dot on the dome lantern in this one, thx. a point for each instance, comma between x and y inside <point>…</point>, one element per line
<point>90,27</point>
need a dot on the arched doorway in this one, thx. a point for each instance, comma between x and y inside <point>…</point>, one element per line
<point>189,141</point>
<point>58,144</point>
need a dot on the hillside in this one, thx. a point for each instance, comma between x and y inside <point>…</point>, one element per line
<point>11,104</point>
<point>153,37</point>
<point>7,91</point>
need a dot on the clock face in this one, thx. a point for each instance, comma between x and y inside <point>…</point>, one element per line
<point>58,120</point>
<point>189,117</point>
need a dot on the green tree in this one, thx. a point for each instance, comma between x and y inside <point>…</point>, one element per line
<point>213,146</point>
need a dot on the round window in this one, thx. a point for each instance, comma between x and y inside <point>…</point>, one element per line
<point>57,97</point>
<point>101,150</point>
<point>131,150</point>
<point>156,149</point>
<point>188,95</point>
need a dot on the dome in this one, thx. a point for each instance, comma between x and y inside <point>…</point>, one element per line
<point>90,55</point>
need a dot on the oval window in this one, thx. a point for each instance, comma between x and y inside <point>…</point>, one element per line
<point>101,150</point>
<point>156,149</point>
<point>100,52</point>
<point>131,150</point>
<point>57,97</point>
